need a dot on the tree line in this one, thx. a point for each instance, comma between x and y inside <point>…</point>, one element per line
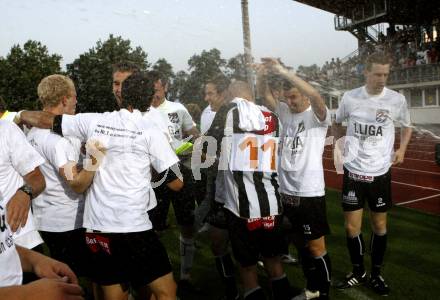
<point>24,66</point>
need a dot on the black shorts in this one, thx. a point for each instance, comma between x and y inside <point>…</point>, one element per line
<point>248,246</point>
<point>183,202</point>
<point>136,258</point>
<point>308,216</point>
<point>357,189</point>
<point>69,247</point>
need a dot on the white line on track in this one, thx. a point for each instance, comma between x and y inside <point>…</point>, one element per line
<point>421,171</point>
<point>417,200</point>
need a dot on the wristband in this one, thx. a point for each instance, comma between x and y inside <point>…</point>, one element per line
<point>27,189</point>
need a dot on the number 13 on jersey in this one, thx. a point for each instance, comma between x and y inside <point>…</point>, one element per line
<point>252,152</point>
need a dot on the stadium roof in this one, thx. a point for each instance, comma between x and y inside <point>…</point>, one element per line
<point>400,11</point>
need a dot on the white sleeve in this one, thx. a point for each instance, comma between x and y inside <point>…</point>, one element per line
<point>404,117</point>
<point>59,152</point>
<point>78,125</point>
<point>187,121</point>
<point>341,112</point>
<point>161,154</point>
<point>24,157</point>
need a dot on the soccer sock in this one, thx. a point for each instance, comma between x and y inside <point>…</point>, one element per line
<point>281,288</point>
<point>323,274</point>
<point>378,246</point>
<point>308,268</point>
<point>356,248</point>
<point>187,250</point>
<point>225,268</point>
<point>255,294</point>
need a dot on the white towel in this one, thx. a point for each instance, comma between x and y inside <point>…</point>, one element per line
<point>251,117</point>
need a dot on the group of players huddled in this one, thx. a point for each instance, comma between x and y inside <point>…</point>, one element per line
<point>100,185</point>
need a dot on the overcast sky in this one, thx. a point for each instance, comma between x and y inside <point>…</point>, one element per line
<point>176,29</point>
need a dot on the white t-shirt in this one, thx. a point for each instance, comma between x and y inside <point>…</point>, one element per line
<point>159,120</point>
<point>58,208</point>
<point>17,158</point>
<point>206,119</point>
<point>369,143</point>
<point>10,270</point>
<point>121,194</point>
<point>300,169</point>
<point>179,120</point>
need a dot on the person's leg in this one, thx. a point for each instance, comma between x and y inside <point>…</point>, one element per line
<point>112,292</point>
<point>223,260</point>
<point>378,241</point>
<point>271,244</point>
<point>184,207</point>
<point>355,241</point>
<point>378,247</point>
<point>322,266</point>
<point>278,278</point>
<point>164,288</point>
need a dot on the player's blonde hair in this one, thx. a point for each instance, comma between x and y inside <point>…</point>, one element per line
<point>53,88</point>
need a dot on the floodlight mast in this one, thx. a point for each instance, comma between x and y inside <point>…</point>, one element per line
<point>247,45</point>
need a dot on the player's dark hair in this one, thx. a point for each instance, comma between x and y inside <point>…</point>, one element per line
<point>156,75</point>
<point>137,91</point>
<point>125,66</point>
<point>220,82</point>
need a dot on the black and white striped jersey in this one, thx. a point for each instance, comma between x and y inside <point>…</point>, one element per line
<point>247,181</point>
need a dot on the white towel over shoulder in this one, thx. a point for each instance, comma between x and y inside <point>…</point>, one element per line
<point>251,117</point>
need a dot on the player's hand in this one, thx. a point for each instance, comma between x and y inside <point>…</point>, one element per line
<point>274,65</point>
<point>97,151</point>
<point>17,210</point>
<point>46,267</point>
<point>398,157</point>
<point>53,289</point>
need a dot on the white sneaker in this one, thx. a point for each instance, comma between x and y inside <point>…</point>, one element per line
<point>306,295</point>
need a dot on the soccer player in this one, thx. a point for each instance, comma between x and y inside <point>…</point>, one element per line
<point>247,184</point>
<point>58,211</point>
<point>27,236</point>
<point>180,125</point>
<point>20,181</point>
<point>124,250</point>
<point>368,155</point>
<point>216,94</point>
<point>305,120</point>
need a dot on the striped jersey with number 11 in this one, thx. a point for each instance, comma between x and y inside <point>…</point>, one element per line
<point>247,181</point>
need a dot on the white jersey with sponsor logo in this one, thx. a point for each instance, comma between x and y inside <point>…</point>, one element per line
<point>303,139</point>
<point>179,120</point>
<point>369,143</point>
<point>206,119</point>
<point>10,266</point>
<point>57,208</point>
<point>121,193</point>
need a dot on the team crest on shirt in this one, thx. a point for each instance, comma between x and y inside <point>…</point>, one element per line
<point>174,117</point>
<point>382,115</point>
<point>301,127</point>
